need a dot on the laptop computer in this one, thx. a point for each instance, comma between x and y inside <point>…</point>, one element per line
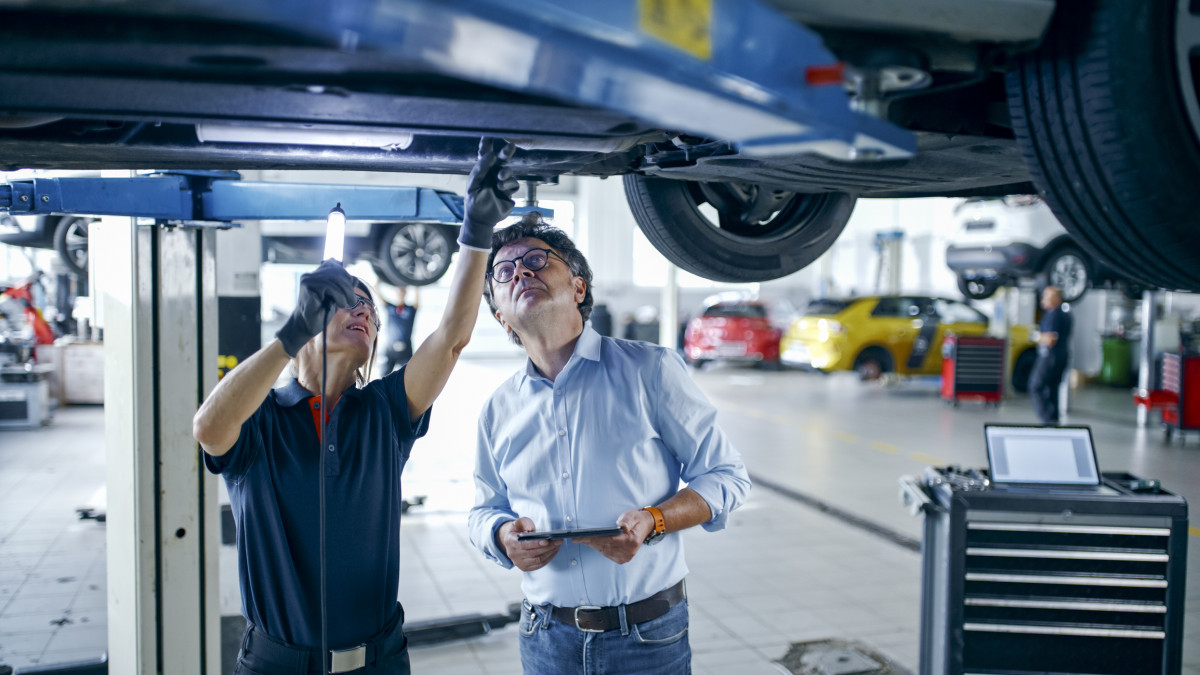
<point>1029,456</point>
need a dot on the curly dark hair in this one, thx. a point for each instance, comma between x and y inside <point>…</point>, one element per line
<point>532,226</point>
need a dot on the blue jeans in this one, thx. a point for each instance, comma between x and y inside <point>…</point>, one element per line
<point>657,647</point>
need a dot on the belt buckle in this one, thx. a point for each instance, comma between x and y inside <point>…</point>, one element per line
<point>346,660</point>
<point>587,608</point>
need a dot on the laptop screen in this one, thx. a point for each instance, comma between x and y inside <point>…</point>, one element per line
<point>1049,455</point>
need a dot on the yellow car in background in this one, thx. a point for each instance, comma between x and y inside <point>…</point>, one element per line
<point>900,334</point>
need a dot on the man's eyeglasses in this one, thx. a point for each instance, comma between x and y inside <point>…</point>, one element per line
<point>370,309</point>
<point>534,259</point>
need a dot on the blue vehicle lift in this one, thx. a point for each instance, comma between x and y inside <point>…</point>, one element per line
<point>222,198</point>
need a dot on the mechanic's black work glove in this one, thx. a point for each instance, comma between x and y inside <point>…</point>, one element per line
<point>490,188</point>
<point>325,289</point>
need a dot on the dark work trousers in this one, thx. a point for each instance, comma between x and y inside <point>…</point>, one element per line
<point>1044,383</point>
<point>262,654</point>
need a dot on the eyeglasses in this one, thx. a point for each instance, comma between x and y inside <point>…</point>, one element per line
<point>534,259</point>
<point>370,309</point>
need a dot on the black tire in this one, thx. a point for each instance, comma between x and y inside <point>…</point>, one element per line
<point>697,363</point>
<point>71,243</point>
<point>978,289</point>
<point>1108,119</point>
<point>414,254</point>
<point>1022,369</point>
<point>762,234</point>
<point>872,363</point>
<point>1068,269</point>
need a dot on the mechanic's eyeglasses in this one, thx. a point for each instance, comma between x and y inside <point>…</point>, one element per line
<point>534,259</point>
<point>370,309</point>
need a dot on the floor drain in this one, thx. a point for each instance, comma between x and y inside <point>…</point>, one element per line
<point>837,657</point>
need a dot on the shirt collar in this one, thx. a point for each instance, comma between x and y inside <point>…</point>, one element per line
<point>587,346</point>
<point>292,393</point>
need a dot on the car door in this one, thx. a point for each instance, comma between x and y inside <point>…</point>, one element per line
<point>897,319</point>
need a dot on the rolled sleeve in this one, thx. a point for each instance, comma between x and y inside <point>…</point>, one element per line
<point>491,508</point>
<point>687,422</point>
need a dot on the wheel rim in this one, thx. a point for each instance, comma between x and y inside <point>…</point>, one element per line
<point>1070,274</point>
<point>977,289</point>
<point>748,211</point>
<point>1187,59</point>
<point>76,242</point>
<point>419,252</point>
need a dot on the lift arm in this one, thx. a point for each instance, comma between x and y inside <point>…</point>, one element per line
<point>220,197</point>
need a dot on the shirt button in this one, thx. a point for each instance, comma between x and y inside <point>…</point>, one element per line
<point>562,432</point>
<point>566,474</point>
<point>331,448</point>
<point>574,563</point>
<point>558,393</point>
<point>568,519</point>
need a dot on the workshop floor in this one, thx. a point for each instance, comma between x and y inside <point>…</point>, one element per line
<point>786,571</point>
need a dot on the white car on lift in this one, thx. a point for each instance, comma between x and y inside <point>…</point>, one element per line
<point>1002,240</point>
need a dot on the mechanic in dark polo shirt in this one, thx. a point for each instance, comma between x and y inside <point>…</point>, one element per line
<point>265,443</point>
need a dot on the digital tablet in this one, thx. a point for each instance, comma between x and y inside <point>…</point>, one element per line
<point>571,534</point>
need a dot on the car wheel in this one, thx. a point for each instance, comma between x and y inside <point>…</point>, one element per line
<point>697,363</point>
<point>1068,269</point>
<point>872,363</point>
<point>1107,114</point>
<point>744,233</point>
<point>978,289</point>
<point>1022,369</point>
<point>71,243</point>
<point>414,254</point>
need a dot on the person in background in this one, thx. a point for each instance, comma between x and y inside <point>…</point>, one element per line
<point>1053,339</point>
<point>401,317</point>
<point>265,442</point>
<point>592,432</point>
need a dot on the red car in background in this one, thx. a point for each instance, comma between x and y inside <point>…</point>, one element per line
<point>733,331</point>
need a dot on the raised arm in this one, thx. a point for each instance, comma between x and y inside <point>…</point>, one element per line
<point>489,200</point>
<point>218,422</point>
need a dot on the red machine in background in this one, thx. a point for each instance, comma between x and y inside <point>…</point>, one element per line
<point>972,368</point>
<point>22,294</point>
<point>1179,398</point>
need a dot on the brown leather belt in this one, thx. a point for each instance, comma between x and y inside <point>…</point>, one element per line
<point>592,619</point>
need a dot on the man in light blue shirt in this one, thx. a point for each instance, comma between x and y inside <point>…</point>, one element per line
<point>593,432</point>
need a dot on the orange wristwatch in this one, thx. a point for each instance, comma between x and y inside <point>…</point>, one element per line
<point>660,526</point>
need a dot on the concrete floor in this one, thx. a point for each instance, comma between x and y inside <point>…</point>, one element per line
<point>783,572</point>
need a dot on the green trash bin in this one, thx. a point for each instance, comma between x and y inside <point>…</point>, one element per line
<point>1116,363</point>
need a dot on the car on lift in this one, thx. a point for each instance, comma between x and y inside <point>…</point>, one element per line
<point>65,234</point>
<point>901,334</point>
<point>402,254</point>
<point>1093,104</point>
<point>1001,241</point>
<point>737,330</point>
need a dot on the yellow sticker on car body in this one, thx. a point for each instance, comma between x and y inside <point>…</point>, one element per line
<point>686,24</point>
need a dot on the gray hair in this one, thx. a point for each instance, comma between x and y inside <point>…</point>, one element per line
<point>532,226</point>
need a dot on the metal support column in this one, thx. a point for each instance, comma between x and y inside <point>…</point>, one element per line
<point>158,290</point>
<point>668,322</point>
<point>1146,354</point>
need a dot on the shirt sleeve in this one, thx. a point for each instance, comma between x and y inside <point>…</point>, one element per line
<point>398,400</point>
<point>237,460</point>
<point>687,422</point>
<point>491,508</point>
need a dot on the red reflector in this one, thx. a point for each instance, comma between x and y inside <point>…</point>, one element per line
<point>1019,258</point>
<point>824,75</point>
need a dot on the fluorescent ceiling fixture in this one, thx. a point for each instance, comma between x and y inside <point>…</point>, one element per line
<point>208,132</point>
